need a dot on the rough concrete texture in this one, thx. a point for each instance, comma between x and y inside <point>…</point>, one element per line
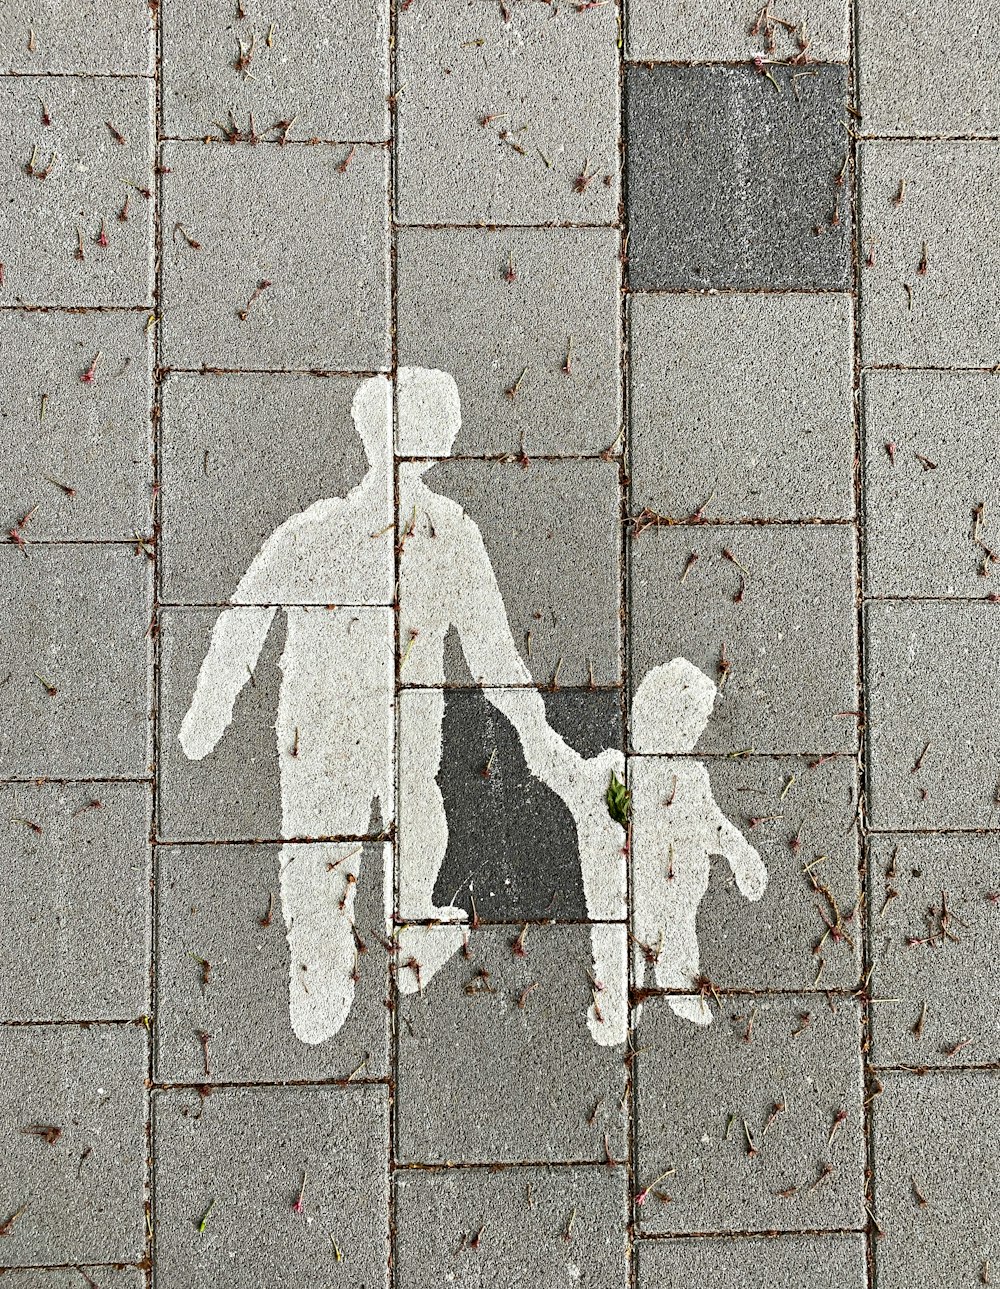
<point>263,215</point>
<point>713,204</point>
<point>535,308</point>
<point>929,297</point>
<point>774,439</point>
<point>928,469</point>
<point>493,1228</point>
<point>755,1262</point>
<point>74,912</point>
<point>705,1099</point>
<point>82,38</point>
<point>936,1215</point>
<point>934,761</point>
<point>106,1277</point>
<point>779,637</point>
<point>701,31</point>
<point>74,1163</point>
<point>325,69</point>
<point>492,127</point>
<point>62,238</point>
<point>272,1184</point>
<point>483,1078</point>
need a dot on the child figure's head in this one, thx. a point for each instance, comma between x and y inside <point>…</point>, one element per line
<point>671,707</point>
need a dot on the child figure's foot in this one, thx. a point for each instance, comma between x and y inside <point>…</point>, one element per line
<point>694,1009</point>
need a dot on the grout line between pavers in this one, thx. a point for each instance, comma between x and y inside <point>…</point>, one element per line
<point>667,1237</point>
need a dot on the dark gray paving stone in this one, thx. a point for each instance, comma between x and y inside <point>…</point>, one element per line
<point>743,402</point>
<point>241,454</point>
<point>932,1135</point>
<point>266,214</point>
<point>240,1156</point>
<point>46,224</point>
<point>512,845</point>
<point>483,1079</point>
<point>85,38</point>
<point>934,961</point>
<point>789,642</point>
<point>552,534</point>
<point>534,1226</point>
<point>212,903</point>
<point>328,70</point>
<point>697,1085</point>
<point>785,1262</point>
<point>84,1190</point>
<point>732,177</point>
<point>74,907</point>
<point>59,433</point>
<point>945,418</point>
<point>931,680</point>
<point>80,620</point>
<point>795,817</point>
<point>519,69</point>
<point>702,31</point>
<point>947,315</point>
<point>563,299</point>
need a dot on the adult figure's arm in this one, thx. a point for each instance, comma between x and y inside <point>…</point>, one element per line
<point>237,639</point>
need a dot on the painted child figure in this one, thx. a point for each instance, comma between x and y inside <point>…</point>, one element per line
<point>676,828</point>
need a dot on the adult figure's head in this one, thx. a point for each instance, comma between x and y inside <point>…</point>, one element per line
<point>429,412</point>
<point>671,707</point>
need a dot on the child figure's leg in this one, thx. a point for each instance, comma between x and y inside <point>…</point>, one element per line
<point>677,965</point>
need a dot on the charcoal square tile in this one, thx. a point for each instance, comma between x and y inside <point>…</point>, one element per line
<point>535,1226</point>
<point>736,178</point>
<point>326,70</point>
<point>755,1262</point>
<point>264,215</point>
<point>221,905</point>
<point>93,477</point>
<point>551,535</point>
<point>240,1155</point>
<point>705,1095</point>
<point>82,1191</point>
<point>928,469</point>
<point>62,240</point>
<point>774,438</point>
<point>87,38</point>
<point>286,441</point>
<point>496,1061</point>
<point>934,922</point>
<point>74,909</point>
<point>775,630</point>
<point>934,756</point>
<point>73,661</point>
<point>492,127</point>
<point>522,304</point>
<point>928,296</point>
<point>702,31</point>
<point>932,1135</point>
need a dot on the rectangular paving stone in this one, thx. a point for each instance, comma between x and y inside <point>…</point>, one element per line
<point>105,1277</point>
<point>327,71</point>
<point>266,214</point>
<point>482,1079</point>
<point>705,1096</point>
<point>87,38</point>
<point>74,913</point>
<point>552,535</point>
<point>930,77</point>
<point>62,239</point>
<point>82,1191</point>
<point>756,1262</point>
<point>928,468</point>
<point>800,818</point>
<point>80,452</point>
<point>523,305</point>
<point>929,299</point>
<point>492,126</point>
<point>931,682</point>
<point>534,1226</point>
<point>701,31</point>
<point>787,626</point>
<point>242,454</point>
<point>761,205</point>
<point>240,1155</point>
<point>936,1155</point>
<point>80,620</point>
<point>934,922</point>
<point>772,438</point>
<point>221,905</point>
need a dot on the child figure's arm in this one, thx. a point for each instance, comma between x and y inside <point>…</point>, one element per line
<point>748,867</point>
